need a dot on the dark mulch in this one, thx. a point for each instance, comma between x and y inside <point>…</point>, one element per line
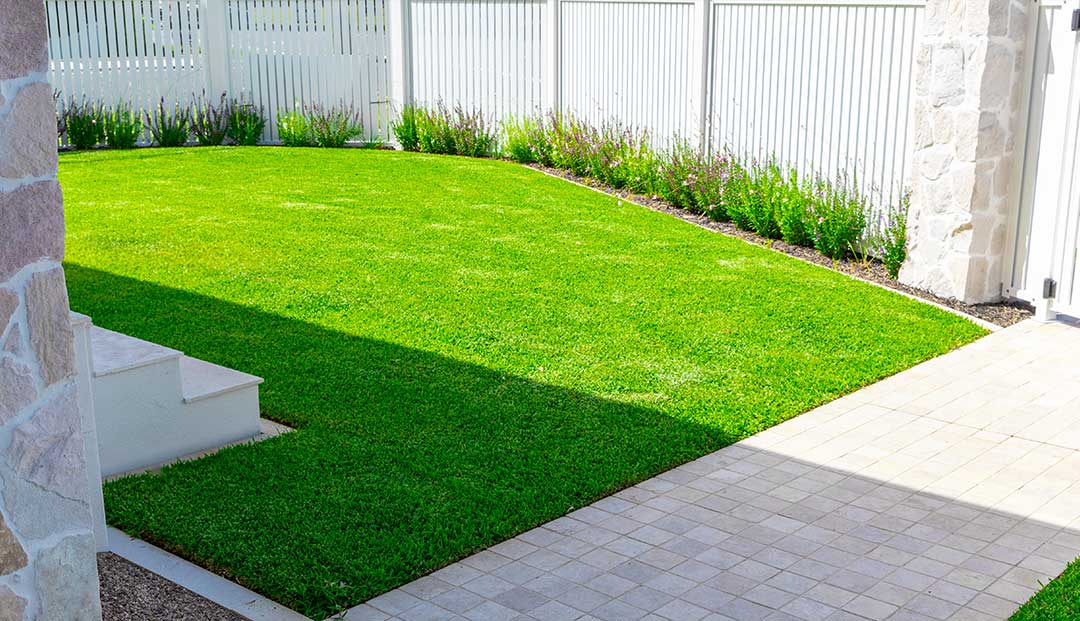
<point>131,593</point>
<point>1004,313</point>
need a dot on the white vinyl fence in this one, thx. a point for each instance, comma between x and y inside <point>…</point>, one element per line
<point>824,85</point>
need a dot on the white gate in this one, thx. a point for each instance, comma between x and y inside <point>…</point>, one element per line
<point>1043,231</point>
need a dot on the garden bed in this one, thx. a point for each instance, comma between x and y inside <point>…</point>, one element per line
<point>467,348</point>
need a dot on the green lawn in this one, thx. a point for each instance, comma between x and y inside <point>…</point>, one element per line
<point>1060,599</point>
<point>468,348</point>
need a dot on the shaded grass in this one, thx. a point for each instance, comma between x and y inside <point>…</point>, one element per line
<point>468,348</point>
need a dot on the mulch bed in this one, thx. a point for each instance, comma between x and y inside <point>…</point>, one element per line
<point>131,593</point>
<point>1004,313</point>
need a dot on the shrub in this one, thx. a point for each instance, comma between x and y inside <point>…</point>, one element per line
<point>334,126</point>
<point>676,179</point>
<point>712,188</point>
<point>434,132</point>
<point>85,123</point>
<point>838,217</point>
<point>209,123</point>
<point>294,129</point>
<point>407,128</point>
<point>246,123</point>
<point>169,128</point>
<point>123,126</point>
<point>891,242</point>
<point>524,140</point>
<point>793,211</point>
<point>471,134</point>
<point>622,158</point>
<point>61,118</point>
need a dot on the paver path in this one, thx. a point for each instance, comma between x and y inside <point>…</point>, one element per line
<point>946,492</point>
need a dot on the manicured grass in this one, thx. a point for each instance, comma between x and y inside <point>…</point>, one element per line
<point>1060,599</point>
<point>468,348</point>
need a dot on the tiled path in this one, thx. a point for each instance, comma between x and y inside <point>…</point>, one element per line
<point>946,492</point>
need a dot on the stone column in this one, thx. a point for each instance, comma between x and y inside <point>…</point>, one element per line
<point>967,98</point>
<point>48,567</point>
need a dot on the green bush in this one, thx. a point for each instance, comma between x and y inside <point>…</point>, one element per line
<point>294,129</point>
<point>524,140</point>
<point>246,123</point>
<point>407,128</point>
<point>123,126</point>
<point>441,130</point>
<point>793,211</point>
<point>85,123</point>
<point>168,128</point>
<point>838,218</point>
<point>334,126</point>
<point>209,123</point>
<point>890,243</point>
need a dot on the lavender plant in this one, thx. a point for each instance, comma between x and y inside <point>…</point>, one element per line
<point>472,135</point>
<point>85,121</point>
<point>246,123</point>
<point>168,128</point>
<point>209,123</point>
<point>294,129</point>
<point>123,126</point>
<point>335,125</point>
<point>838,217</point>
<point>407,128</point>
<point>891,242</point>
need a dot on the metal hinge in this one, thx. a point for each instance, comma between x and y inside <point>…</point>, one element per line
<point>1076,19</point>
<point>1049,288</point>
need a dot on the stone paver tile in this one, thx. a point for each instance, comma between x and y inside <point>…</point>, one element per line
<point>870,608</point>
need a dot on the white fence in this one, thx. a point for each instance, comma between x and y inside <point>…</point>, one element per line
<point>824,85</point>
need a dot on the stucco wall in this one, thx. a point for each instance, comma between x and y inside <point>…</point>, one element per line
<point>968,88</point>
<point>47,553</point>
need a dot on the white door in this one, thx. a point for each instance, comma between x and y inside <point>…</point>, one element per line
<point>1044,231</point>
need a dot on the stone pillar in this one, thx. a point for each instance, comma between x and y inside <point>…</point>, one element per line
<point>48,566</point>
<point>967,99</point>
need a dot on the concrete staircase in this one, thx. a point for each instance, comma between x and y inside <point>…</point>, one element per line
<point>153,404</point>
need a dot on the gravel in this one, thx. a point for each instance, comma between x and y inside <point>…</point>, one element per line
<point>131,593</point>
<point>1005,313</point>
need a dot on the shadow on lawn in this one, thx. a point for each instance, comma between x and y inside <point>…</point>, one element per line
<point>405,460</point>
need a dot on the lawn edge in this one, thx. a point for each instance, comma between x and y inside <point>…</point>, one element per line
<point>982,323</point>
<point>199,580</point>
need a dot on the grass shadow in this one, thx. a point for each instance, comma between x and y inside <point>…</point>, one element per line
<point>405,460</point>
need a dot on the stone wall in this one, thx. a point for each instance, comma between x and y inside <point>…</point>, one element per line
<point>48,567</point>
<point>967,99</point>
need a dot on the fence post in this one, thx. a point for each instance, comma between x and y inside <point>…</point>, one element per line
<point>400,55</point>
<point>552,68</point>
<point>703,46</point>
<point>216,48</point>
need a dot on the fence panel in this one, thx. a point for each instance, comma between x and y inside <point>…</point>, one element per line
<point>486,55</point>
<point>825,87</point>
<point>136,51</point>
<point>632,62</point>
<point>288,53</point>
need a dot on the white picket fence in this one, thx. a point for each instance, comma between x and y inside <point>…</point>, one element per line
<point>824,85</point>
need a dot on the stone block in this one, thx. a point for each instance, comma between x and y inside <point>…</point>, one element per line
<point>27,134</point>
<point>12,554</point>
<point>16,388</point>
<point>48,448</point>
<point>35,211</point>
<point>9,301</point>
<point>49,319</point>
<point>947,81</point>
<point>67,581</point>
<point>12,607</point>
<point>23,45</point>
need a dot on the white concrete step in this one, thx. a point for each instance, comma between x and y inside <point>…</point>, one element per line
<point>114,352</point>
<point>206,380</point>
<point>154,404</point>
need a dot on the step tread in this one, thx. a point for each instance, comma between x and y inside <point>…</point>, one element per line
<point>201,380</point>
<point>114,352</point>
